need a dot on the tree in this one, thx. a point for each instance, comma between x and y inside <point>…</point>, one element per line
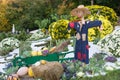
<point>4,26</point>
<point>23,13</point>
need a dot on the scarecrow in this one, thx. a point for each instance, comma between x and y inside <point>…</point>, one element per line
<point>81,27</point>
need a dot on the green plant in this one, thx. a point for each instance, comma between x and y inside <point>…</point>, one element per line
<point>22,36</point>
<point>2,36</point>
<point>43,23</point>
<point>25,48</point>
<point>5,50</point>
<point>11,70</point>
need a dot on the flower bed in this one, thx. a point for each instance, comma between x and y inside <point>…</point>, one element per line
<point>111,43</point>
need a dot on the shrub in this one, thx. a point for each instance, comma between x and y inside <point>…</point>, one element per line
<point>58,29</point>
<point>107,12</point>
<point>94,33</point>
<point>22,36</point>
<point>25,46</point>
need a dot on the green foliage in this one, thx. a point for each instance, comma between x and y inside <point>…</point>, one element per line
<point>22,36</point>
<point>43,24</point>
<point>24,12</point>
<point>105,11</point>
<point>56,17</point>
<point>58,29</point>
<point>113,75</point>
<point>25,46</point>
<point>2,35</point>
<point>11,70</point>
<point>5,50</point>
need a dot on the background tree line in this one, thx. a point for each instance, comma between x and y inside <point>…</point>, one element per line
<point>24,13</point>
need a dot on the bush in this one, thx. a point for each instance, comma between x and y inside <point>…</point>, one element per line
<point>58,29</point>
<point>94,33</point>
<point>107,12</point>
<point>22,36</point>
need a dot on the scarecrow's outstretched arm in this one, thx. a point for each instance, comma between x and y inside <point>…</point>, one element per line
<point>95,23</point>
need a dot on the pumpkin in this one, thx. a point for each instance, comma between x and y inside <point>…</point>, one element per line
<point>43,62</point>
<point>22,71</point>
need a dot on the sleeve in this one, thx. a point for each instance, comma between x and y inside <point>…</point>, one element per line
<point>95,23</point>
<point>71,25</point>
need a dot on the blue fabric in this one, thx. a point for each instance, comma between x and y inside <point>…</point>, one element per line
<point>81,47</point>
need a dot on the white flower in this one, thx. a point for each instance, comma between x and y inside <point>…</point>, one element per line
<point>80,74</point>
<point>109,68</point>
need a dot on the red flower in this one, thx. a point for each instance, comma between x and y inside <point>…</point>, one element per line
<point>72,25</point>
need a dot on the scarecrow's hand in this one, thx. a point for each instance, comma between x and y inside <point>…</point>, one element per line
<point>101,28</point>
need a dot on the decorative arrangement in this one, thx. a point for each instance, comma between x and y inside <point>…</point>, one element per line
<point>100,63</point>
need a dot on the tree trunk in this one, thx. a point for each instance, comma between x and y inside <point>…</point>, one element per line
<point>92,2</point>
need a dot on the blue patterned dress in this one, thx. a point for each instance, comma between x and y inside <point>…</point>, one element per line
<point>81,47</point>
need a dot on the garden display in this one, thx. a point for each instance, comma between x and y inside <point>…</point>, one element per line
<point>48,54</point>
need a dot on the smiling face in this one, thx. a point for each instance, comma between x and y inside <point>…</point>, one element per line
<point>79,13</point>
